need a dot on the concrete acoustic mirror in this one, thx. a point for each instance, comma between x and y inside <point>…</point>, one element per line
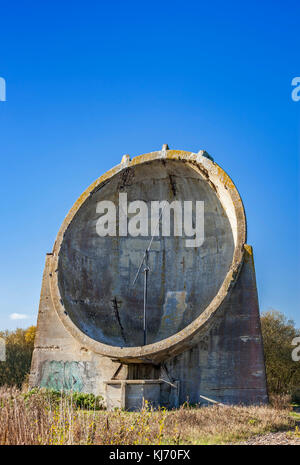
<point>150,293</point>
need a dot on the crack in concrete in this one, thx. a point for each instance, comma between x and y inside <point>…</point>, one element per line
<point>115,303</point>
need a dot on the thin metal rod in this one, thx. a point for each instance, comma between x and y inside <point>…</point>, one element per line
<point>146,271</point>
<point>149,246</point>
<point>139,269</point>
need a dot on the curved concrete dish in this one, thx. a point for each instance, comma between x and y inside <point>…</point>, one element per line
<point>91,276</point>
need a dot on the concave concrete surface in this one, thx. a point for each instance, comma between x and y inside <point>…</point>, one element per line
<point>95,274</point>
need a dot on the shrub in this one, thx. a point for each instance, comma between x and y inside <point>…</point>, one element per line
<point>79,400</point>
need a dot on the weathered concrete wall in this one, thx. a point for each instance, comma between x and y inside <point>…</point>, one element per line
<point>227,365</point>
<point>59,361</point>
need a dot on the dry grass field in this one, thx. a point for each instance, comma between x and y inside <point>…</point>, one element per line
<point>37,420</point>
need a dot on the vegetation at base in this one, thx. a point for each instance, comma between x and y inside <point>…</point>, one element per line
<point>35,419</point>
<point>78,400</point>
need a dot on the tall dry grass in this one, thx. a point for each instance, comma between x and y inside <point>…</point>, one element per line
<point>36,420</point>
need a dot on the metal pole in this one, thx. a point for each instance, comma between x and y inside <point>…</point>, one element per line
<point>146,271</point>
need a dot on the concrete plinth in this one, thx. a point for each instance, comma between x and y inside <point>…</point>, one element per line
<point>134,394</point>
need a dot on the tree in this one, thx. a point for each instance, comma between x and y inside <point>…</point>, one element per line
<point>19,348</point>
<point>30,335</point>
<point>283,374</point>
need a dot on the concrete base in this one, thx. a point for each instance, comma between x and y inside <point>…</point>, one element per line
<point>132,394</point>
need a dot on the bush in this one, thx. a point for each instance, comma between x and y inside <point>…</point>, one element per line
<point>87,401</point>
<point>280,401</point>
<point>79,400</point>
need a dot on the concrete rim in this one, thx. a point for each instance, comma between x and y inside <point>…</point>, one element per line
<point>227,194</point>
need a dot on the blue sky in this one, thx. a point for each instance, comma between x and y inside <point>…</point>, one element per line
<point>90,81</point>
